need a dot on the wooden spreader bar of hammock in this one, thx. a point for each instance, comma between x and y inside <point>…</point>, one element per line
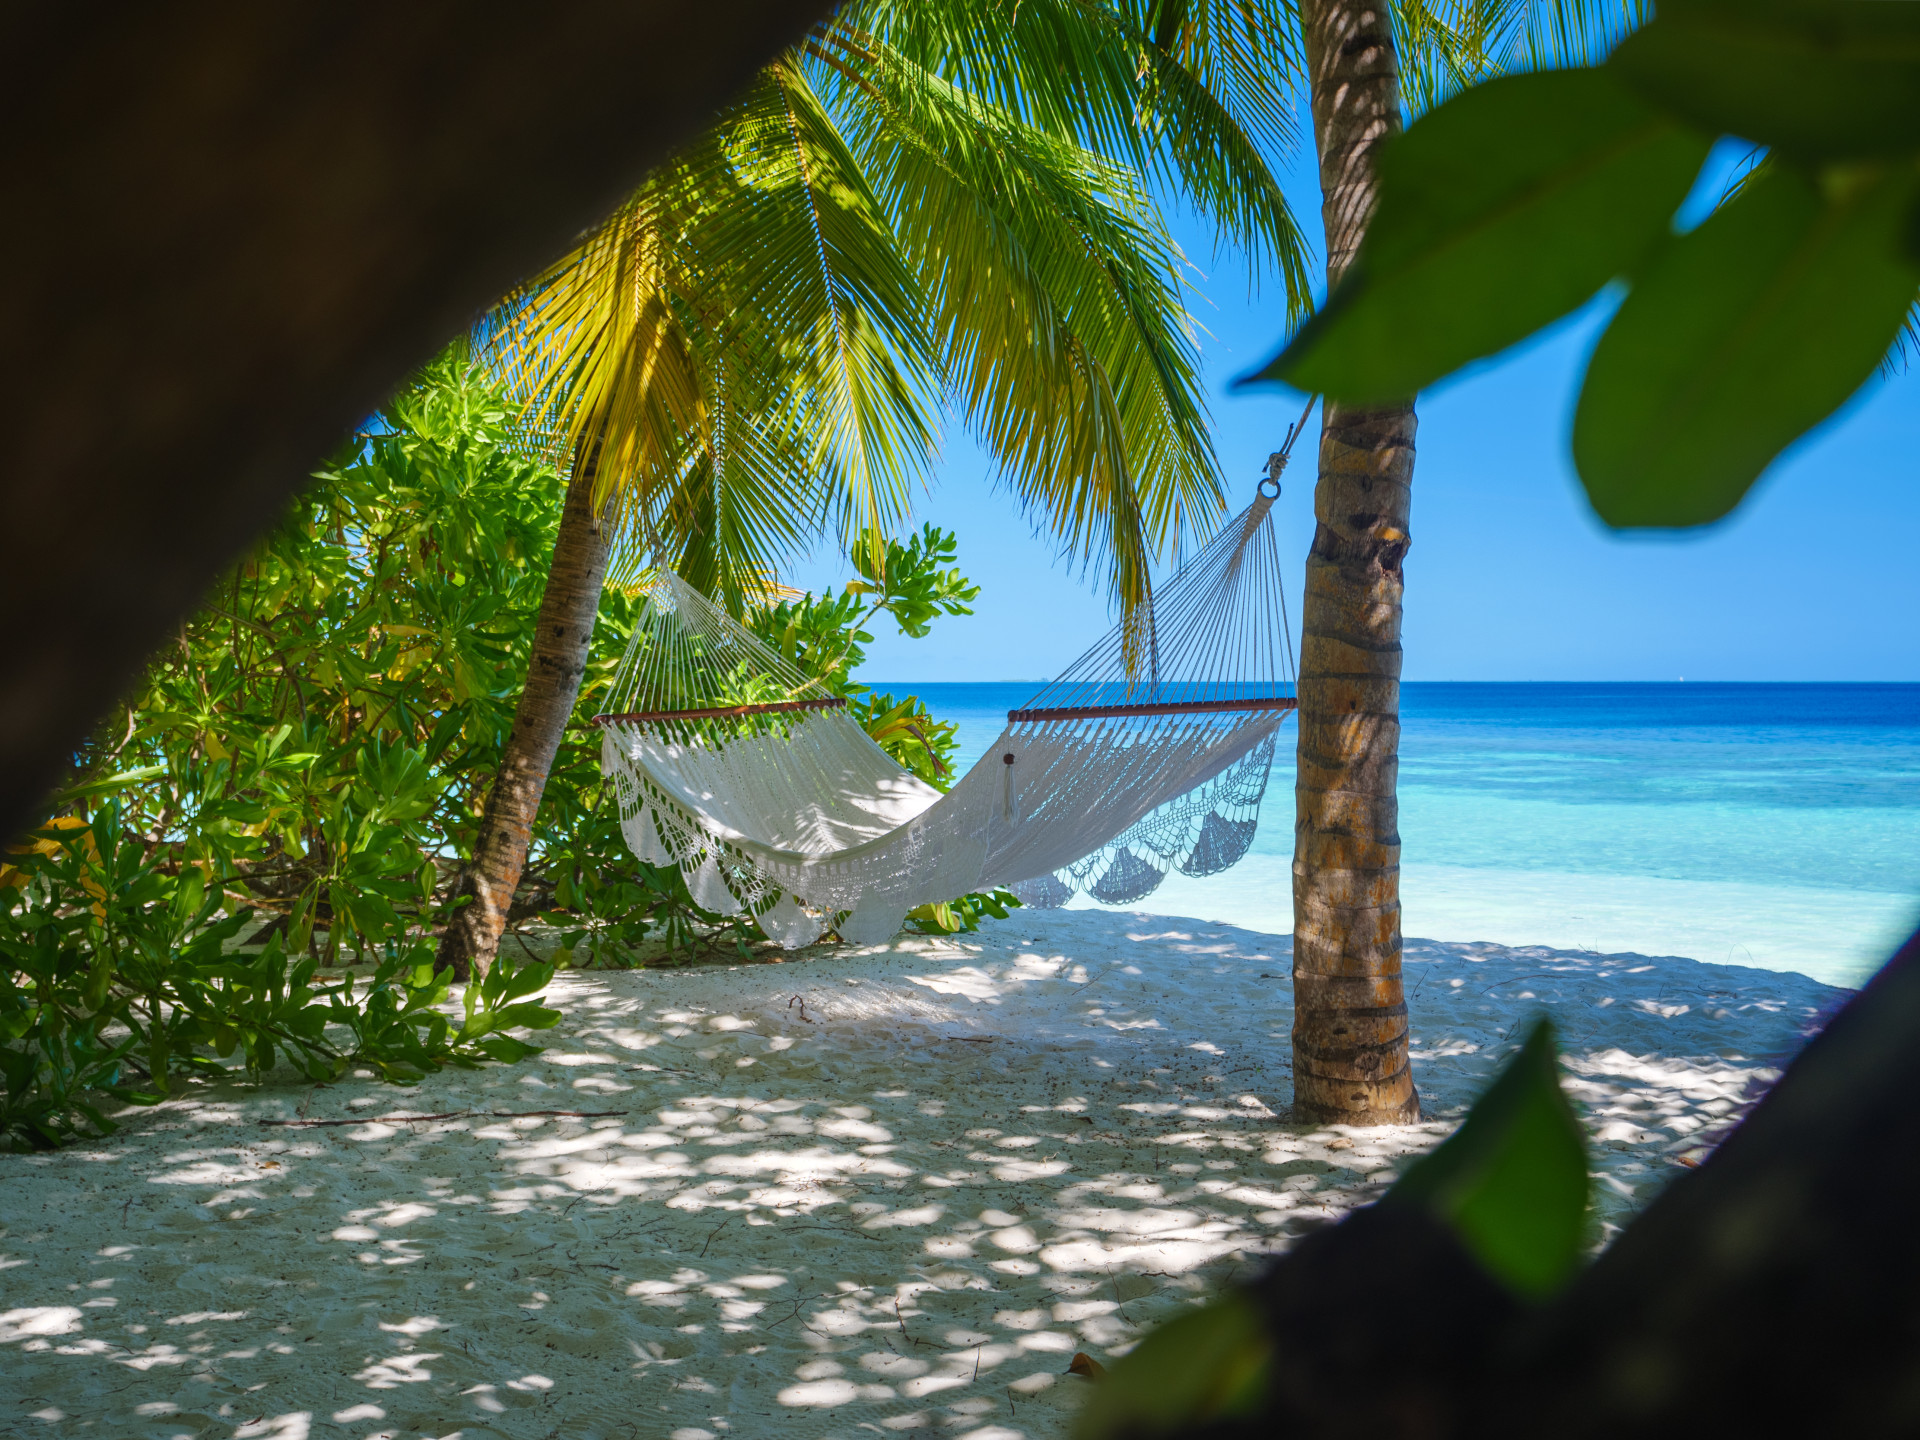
<point>1173,707</point>
<point>723,712</point>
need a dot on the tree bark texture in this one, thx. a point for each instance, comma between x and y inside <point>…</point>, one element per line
<point>1350,1016</point>
<point>231,230</point>
<point>555,667</point>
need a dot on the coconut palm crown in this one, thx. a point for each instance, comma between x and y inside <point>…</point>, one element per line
<point>924,209</point>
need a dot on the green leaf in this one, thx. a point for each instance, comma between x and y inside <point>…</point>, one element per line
<point>99,981</point>
<point>1208,1363</point>
<point>506,1049</point>
<point>506,981</point>
<point>1512,1180</point>
<point>106,785</point>
<point>101,1123</point>
<point>1499,212</point>
<point>1739,338</point>
<point>1818,79</point>
<point>299,926</point>
<point>527,1015</point>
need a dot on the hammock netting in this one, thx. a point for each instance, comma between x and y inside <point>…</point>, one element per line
<point>1149,755</point>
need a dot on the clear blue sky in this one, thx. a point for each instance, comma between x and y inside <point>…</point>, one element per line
<point>1510,576</point>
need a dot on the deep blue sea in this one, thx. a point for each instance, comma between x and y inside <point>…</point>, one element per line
<point>1768,825</point>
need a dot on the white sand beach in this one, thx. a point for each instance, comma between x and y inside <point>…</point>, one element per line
<point>900,1211</point>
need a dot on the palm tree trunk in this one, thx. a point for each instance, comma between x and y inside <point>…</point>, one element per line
<point>1350,1015</point>
<point>554,670</point>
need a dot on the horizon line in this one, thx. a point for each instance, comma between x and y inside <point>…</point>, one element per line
<point>1678,680</point>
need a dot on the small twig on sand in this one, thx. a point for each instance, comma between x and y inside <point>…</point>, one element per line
<point>906,1334</point>
<point>797,1000</point>
<point>712,1233</point>
<point>829,1229</point>
<point>792,1314</point>
<point>450,1115</point>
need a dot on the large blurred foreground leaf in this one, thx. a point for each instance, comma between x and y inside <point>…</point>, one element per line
<point>1738,339</point>
<point>1512,1180</point>
<point>1498,1212</point>
<point>1210,1363</point>
<point>1826,80</point>
<point>1499,212</point>
<point>1771,1291</point>
<point>1508,207</point>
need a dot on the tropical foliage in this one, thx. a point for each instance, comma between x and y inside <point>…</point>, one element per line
<point>921,207</point>
<point>290,788</point>
<point>1448,46</point>
<point>301,756</point>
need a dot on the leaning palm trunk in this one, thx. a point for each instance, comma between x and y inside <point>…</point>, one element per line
<point>1350,1016</point>
<point>554,670</point>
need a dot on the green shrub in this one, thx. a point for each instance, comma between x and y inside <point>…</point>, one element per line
<point>292,785</point>
<point>118,978</point>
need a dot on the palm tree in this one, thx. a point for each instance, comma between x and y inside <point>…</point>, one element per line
<point>1350,1054</point>
<point>1350,1060</point>
<point>924,205</point>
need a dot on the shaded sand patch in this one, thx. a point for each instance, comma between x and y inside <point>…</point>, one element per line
<point>900,1214</point>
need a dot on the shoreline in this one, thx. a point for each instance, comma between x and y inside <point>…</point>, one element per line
<point>1836,937</point>
<point>974,1155</point>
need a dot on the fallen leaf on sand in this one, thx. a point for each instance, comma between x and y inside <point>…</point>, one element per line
<point>1085,1366</point>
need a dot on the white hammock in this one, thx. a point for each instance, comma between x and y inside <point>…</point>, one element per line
<point>770,797</point>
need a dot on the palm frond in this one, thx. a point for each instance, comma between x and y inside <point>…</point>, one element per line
<point>1905,345</point>
<point>1207,112</point>
<point>746,317</point>
<point>926,203</point>
<point>821,285</point>
<point>1056,301</point>
<point>1447,45</point>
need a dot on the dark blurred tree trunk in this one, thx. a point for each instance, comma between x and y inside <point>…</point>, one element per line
<point>1350,1016</point>
<point>558,660</point>
<point>233,228</point>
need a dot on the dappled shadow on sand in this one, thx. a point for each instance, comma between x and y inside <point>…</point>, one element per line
<point>902,1213</point>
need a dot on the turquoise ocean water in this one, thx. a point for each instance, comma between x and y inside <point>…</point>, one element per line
<point>1768,825</point>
